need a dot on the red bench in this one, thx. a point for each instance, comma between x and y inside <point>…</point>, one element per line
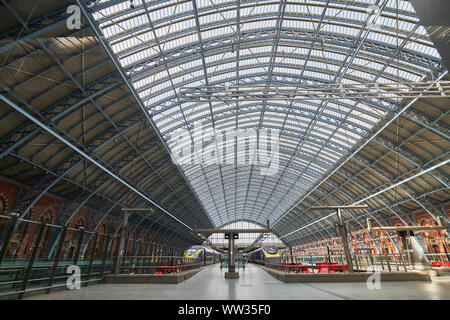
<point>169,268</point>
<point>439,264</point>
<point>324,267</point>
<point>339,268</point>
<point>163,269</point>
<point>296,268</point>
<point>331,267</point>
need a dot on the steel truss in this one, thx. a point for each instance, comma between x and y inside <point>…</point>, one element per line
<point>305,92</point>
<point>311,83</point>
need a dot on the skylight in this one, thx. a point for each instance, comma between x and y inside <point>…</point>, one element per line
<point>164,46</point>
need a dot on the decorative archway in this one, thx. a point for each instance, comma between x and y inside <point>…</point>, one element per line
<point>48,216</point>
<point>4,207</point>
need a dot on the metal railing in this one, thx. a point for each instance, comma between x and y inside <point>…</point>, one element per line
<point>439,260</point>
<point>16,280</point>
<point>338,263</point>
<point>35,256</point>
<point>158,264</point>
<point>307,91</point>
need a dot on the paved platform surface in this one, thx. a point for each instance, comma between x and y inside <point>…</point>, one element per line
<point>347,277</point>
<point>255,284</point>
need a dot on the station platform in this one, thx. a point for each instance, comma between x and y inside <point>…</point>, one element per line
<point>254,284</point>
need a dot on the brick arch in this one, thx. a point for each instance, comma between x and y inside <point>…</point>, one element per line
<point>135,232</point>
<point>4,208</point>
<point>5,205</point>
<point>72,235</point>
<point>102,228</point>
<point>384,242</point>
<point>112,227</point>
<point>432,238</point>
<point>80,222</point>
<point>24,234</point>
<point>31,214</point>
<point>141,234</point>
<point>92,226</point>
<point>48,214</point>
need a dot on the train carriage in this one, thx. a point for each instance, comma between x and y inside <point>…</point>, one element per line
<point>260,255</point>
<point>205,254</point>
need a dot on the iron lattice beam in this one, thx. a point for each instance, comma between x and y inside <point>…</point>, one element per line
<point>302,92</point>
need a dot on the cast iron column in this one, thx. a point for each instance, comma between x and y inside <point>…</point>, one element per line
<point>343,232</point>
<point>122,242</point>
<point>231,266</point>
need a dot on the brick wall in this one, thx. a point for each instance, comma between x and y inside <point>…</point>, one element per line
<point>47,207</point>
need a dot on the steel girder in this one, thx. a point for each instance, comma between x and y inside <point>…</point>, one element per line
<point>381,171</point>
<point>373,50</point>
<point>349,199</point>
<point>338,187</point>
<point>386,106</point>
<point>30,133</point>
<point>77,163</point>
<point>337,78</point>
<point>27,131</point>
<point>404,108</point>
<point>397,56</point>
<point>125,79</point>
<point>375,168</point>
<point>35,28</point>
<point>164,61</point>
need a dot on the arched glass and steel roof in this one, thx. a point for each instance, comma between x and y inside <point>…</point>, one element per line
<point>245,239</point>
<point>95,116</point>
<point>165,46</point>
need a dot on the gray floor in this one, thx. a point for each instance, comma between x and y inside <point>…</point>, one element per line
<point>255,284</point>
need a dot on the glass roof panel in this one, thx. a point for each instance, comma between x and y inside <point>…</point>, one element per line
<point>305,42</point>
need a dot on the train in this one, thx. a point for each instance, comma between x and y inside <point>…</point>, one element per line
<point>199,252</point>
<point>260,255</point>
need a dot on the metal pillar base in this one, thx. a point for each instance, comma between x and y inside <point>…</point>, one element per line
<point>231,275</point>
<point>418,258</point>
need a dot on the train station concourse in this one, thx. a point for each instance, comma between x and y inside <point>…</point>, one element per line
<point>224,150</point>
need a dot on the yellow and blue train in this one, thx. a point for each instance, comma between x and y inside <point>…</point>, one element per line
<point>204,254</point>
<point>261,254</point>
